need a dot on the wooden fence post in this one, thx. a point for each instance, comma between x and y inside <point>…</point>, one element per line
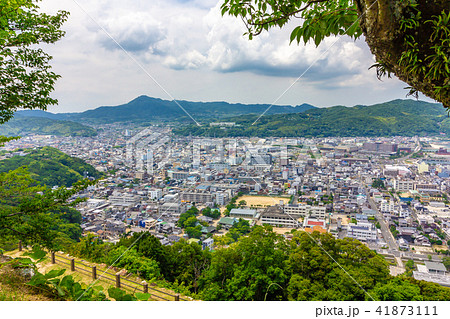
<point>117,280</point>
<point>145,285</point>
<point>177,297</point>
<point>94,272</point>
<point>72,264</point>
<point>20,245</point>
<point>53,258</point>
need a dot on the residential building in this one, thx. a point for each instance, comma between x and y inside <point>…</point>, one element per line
<point>362,231</point>
<point>302,210</point>
<point>275,216</point>
<point>403,185</point>
<point>197,197</point>
<point>243,213</point>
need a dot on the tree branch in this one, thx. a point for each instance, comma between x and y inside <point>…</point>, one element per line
<point>15,230</point>
<point>287,15</point>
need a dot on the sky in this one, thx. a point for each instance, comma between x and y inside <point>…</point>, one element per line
<point>117,50</point>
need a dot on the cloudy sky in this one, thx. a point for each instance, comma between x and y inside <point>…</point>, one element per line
<point>116,50</point>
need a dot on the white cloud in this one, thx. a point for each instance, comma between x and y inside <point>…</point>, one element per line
<point>196,54</point>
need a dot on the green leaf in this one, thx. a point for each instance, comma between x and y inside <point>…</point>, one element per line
<point>54,273</point>
<point>143,296</point>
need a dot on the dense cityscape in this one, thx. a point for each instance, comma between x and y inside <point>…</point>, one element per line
<point>390,193</point>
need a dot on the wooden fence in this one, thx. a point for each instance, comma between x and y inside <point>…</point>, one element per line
<point>116,279</point>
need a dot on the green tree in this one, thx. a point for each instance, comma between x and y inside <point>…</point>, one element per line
<point>252,269</point>
<point>187,262</point>
<point>190,222</point>
<point>410,264</point>
<point>25,77</point>
<point>27,210</point>
<point>378,183</point>
<point>446,262</point>
<point>409,38</point>
<point>194,231</point>
<point>398,290</point>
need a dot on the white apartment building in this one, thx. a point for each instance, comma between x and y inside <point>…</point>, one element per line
<point>362,231</point>
<point>155,194</point>
<point>404,213</point>
<point>387,206</point>
<point>124,199</point>
<point>274,216</point>
<point>403,185</point>
<point>221,198</point>
<point>197,197</point>
<point>174,209</point>
<point>301,210</point>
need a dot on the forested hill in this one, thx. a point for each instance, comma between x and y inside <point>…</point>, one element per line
<point>398,117</point>
<point>22,125</point>
<point>51,167</point>
<point>148,109</point>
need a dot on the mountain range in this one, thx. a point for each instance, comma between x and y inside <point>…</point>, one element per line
<point>146,109</point>
<point>23,124</point>
<point>398,117</point>
<point>394,118</point>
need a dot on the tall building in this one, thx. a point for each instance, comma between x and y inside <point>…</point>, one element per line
<point>379,147</point>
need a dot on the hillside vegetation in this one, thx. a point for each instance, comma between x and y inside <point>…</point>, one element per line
<point>147,109</point>
<point>51,167</point>
<point>22,125</point>
<point>264,266</point>
<point>399,117</point>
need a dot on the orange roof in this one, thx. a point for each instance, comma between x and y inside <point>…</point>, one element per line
<point>315,228</point>
<point>313,223</point>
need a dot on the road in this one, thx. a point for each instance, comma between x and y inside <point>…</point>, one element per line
<point>387,235</point>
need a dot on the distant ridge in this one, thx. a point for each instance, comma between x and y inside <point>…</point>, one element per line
<point>45,125</point>
<point>147,109</point>
<point>394,118</point>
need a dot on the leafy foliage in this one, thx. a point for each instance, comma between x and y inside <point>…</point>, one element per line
<point>321,18</point>
<point>25,77</point>
<point>35,214</point>
<point>409,38</point>
<point>431,63</point>
<point>378,183</point>
<point>51,167</point>
<point>39,125</point>
<point>188,218</point>
<point>213,213</point>
<point>263,265</point>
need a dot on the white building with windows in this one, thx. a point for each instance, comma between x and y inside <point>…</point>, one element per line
<point>221,198</point>
<point>362,231</point>
<point>403,185</point>
<point>155,194</point>
<point>301,210</point>
<point>124,199</point>
<point>275,216</point>
<point>243,213</point>
<point>387,206</point>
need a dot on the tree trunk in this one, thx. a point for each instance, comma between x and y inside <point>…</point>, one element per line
<point>381,25</point>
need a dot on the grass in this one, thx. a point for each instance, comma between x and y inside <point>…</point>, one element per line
<point>13,287</point>
<point>86,277</point>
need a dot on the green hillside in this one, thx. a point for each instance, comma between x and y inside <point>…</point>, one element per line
<point>147,109</point>
<point>398,117</point>
<point>51,166</point>
<point>22,125</point>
